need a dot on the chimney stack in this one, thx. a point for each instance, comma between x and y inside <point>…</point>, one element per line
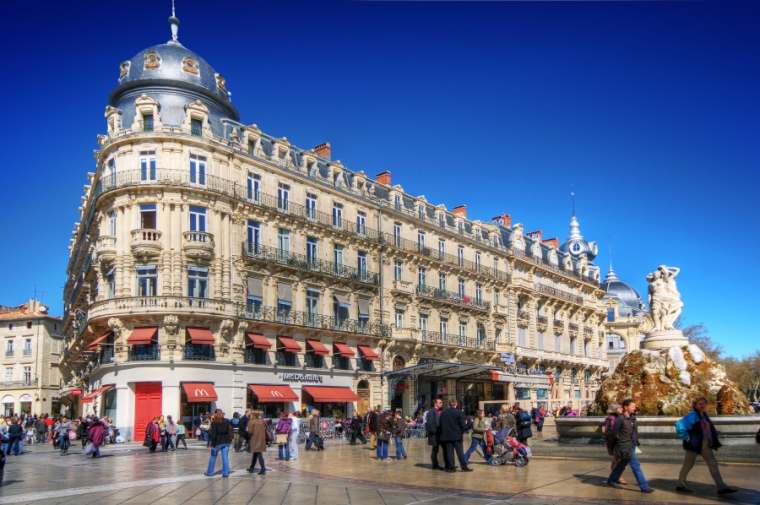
<point>460,210</point>
<point>536,235</point>
<point>323,150</point>
<point>504,220</point>
<point>384,178</point>
<point>552,242</point>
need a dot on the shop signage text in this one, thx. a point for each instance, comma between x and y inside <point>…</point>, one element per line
<point>301,377</point>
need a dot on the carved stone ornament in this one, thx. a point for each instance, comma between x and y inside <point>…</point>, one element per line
<point>171,324</point>
<point>225,329</point>
<point>152,60</point>
<point>124,69</point>
<point>117,327</point>
<point>190,65</point>
<point>221,83</point>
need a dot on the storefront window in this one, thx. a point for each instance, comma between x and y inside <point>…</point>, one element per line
<point>542,394</point>
<point>255,356</point>
<point>109,403</point>
<point>269,410</point>
<point>285,358</point>
<point>365,364</point>
<point>522,393</point>
<point>314,360</point>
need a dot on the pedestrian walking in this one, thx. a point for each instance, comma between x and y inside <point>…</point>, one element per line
<point>452,426</point>
<point>282,434</point>
<point>82,431</point>
<point>433,432</point>
<point>522,424</point>
<point>315,437</point>
<point>152,435</point>
<point>171,433</point>
<point>41,429</point>
<point>538,415</point>
<point>372,418</point>
<point>64,429</point>
<point>15,437</point>
<point>180,438</point>
<point>257,436</point>
<point>477,439</point>
<point>699,437</point>
<point>383,435</point>
<point>355,429</point>
<point>625,440</point>
<point>399,432</point>
<point>295,431</point>
<point>613,412</point>
<point>96,435</point>
<point>220,438</point>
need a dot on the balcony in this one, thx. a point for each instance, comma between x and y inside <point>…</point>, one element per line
<point>523,319</point>
<point>559,327</point>
<point>451,339</point>
<point>450,298</point>
<point>198,245</point>
<point>105,248</point>
<point>26,382</point>
<point>311,265</point>
<point>405,287</point>
<point>162,304</point>
<point>588,333</point>
<point>315,321</point>
<point>144,353</point>
<point>573,327</point>
<point>560,294</point>
<point>146,243</point>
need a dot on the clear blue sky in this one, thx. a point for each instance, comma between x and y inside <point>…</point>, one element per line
<point>648,110</point>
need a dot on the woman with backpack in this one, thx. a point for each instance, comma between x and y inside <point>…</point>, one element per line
<point>613,411</point>
<point>282,434</point>
<point>699,438</point>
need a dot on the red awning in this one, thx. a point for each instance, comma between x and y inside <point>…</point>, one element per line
<point>327,394</point>
<point>289,344</point>
<point>201,336</point>
<point>318,347</point>
<point>93,346</point>
<point>142,336</point>
<point>498,376</point>
<point>259,341</point>
<point>200,392</point>
<point>267,393</point>
<point>344,350</point>
<point>369,353</point>
<point>90,397</point>
<point>72,392</point>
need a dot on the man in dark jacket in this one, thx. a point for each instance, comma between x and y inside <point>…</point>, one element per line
<point>522,421</point>
<point>372,418</point>
<point>432,429</point>
<point>699,438</point>
<point>625,439</point>
<point>15,436</point>
<point>452,427</point>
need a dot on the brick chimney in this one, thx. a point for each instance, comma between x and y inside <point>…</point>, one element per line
<point>323,150</point>
<point>384,178</point>
<point>506,220</point>
<point>552,242</point>
<point>460,210</point>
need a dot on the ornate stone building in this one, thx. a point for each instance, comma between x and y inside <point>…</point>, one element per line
<point>32,345</point>
<point>626,316</point>
<point>217,266</point>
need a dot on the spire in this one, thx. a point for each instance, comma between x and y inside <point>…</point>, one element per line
<point>575,226</point>
<point>611,275</point>
<point>174,25</point>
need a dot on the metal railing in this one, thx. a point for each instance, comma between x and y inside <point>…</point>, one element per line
<point>452,339</point>
<point>451,297</point>
<point>315,321</point>
<point>199,352</point>
<point>144,353</point>
<point>304,263</point>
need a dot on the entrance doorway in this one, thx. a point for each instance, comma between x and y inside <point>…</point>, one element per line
<point>147,406</point>
<point>362,390</point>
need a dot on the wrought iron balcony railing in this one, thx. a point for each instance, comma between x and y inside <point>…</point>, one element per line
<point>144,353</point>
<point>315,321</point>
<point>451,297</point>
<point>304,263</point>
<point>199,352</point>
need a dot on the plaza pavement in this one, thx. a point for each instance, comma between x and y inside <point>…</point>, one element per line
<point>343,475</point>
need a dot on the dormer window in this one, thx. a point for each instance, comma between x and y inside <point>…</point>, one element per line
<point>147,122</point>
<point>196,127</point>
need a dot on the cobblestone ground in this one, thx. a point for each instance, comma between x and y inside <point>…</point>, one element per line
<point>343,474</point>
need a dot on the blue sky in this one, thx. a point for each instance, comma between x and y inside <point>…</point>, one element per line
<point>647,110</point>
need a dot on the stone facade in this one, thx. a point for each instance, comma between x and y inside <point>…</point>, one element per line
<point>31,348</point>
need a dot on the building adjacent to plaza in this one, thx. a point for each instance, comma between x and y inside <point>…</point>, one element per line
<point>32,343</point>
<point>215,265</point>
<point>626,317</point>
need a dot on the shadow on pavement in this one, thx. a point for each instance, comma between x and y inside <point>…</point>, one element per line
<point>707,491</point>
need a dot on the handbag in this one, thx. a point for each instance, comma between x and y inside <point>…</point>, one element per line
<point>282,438</point>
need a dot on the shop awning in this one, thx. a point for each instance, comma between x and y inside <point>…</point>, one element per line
<point>327,394</point>
<point>368,353</point>
<point>318,347</point>
<point>71,392</point>
<point>93,346</point>
<point>447,370</point>
<point>142,336</point>
<point>344,350</point>
<point>90,397</point>
<point>289,344</point>
<point>268,393</point>
<point>200,392</point>
<point>201,336</point>
<point>259,341</point>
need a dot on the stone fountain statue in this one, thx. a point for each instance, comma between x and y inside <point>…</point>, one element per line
<point>665,307</point>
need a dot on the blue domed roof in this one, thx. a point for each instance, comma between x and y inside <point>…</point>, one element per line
<point>629,301</point>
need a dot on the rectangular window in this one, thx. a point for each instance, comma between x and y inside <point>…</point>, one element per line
<point>27,347</point>
<point>147,122</point>
<point>311,206</point>
<point>423,323</point>
<point>397,234</point>
<point>197,218</point>
<point>496,297</point>
<point>254,237</point>
<point>557,343</point>
<point>8,376</point>
<point>399,319</point>
<point>478,293</point>
<point>462,331</point>
<point>109,174</point>
<point>441,248</point>
<point>361,265</point>
<point>112,223</point>
<point>444,327</point>
<point>147,166</point>
<point>460,255</point>
<point>147,280</point>
<point>460,287</point>
<point>110,278</point>
<point>253,187</point>
<point>441,281</point>
<point>9,351</point>
<point>541,341</point>
<point>148,216</point>
<point>477,261</point>
<point>197,170</point>
<point>572,346</point>
<point>311,250</point>
<point>361,223</point>
<point>283,242</point>
<point>421,212</point>
<point>421,277</point>
<point>312,305</point>
<point>253,298</point>
<point>338,258</point>
<point>28,375</point>
<point>197,282</point>
<point>196,127</point>
<point>420,240</point>
<point>251,147</point>
<point>337,215</point>
<point>397,266</point>
<point>397,202</point>
<point>521,339</point>
<point>283,197</point>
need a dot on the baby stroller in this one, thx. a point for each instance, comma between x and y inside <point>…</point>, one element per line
<point>508,450</point>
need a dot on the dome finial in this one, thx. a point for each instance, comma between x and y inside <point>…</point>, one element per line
<point>572,198</point>
<point>174,24</point>
<point>575,226</point>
